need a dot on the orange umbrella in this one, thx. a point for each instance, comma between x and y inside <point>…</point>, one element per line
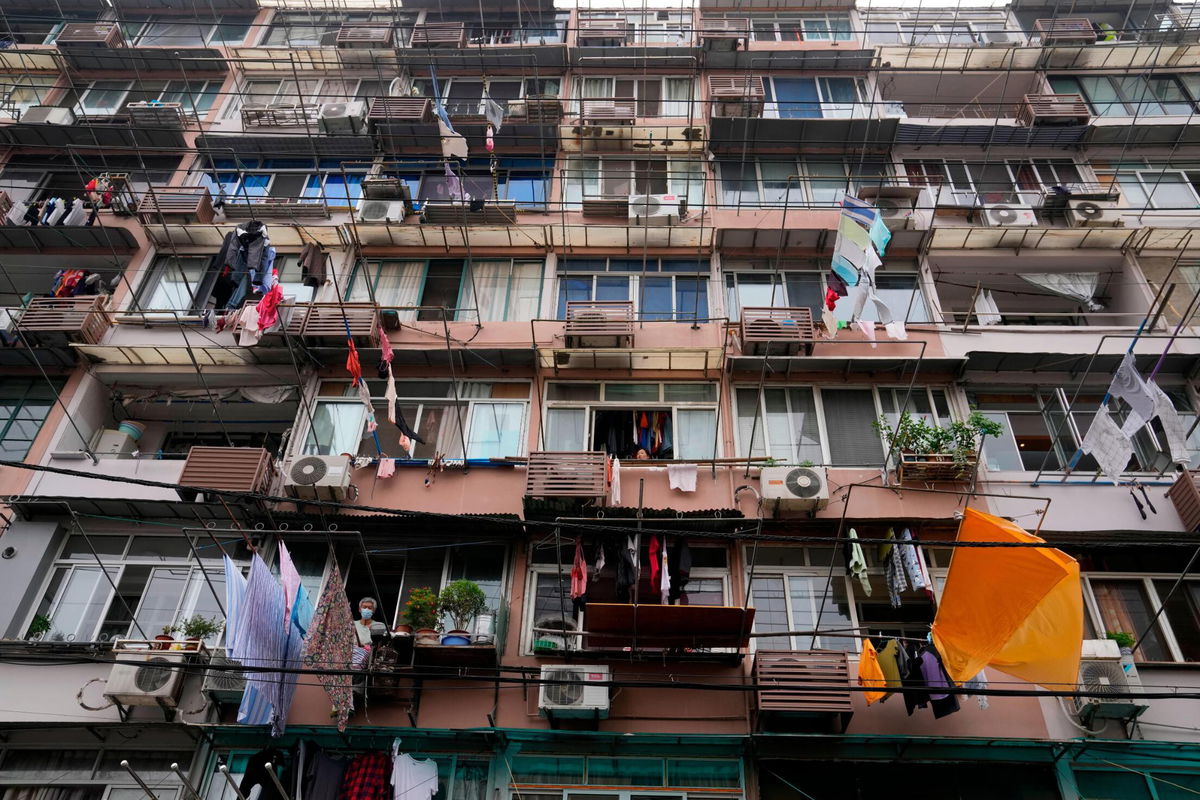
<point>1018,609</point>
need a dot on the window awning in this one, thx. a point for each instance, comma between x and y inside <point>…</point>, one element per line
<point>618,625</point>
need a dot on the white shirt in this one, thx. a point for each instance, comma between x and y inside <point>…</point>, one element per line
<point>412,779</point>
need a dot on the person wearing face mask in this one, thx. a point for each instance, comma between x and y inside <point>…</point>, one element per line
<point>365,627</point>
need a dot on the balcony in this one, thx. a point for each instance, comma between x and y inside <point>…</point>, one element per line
<point>798,686</point>
<point>60,321</point>
<point>451,35</point>
<point>1065,30</point>
<point>599,323</point>
<point>736,95</point>
<point>330,324</point>
<point>1185,496</point>
<point>777,331</point>
<point>724,34</point>
<point>572,475</point>
<point>1054,109</point>
<point>182,204</point>
<point>234,469</point>
<point>608,112</point>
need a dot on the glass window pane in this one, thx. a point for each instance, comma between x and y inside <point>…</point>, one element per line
<point>1182,611</point>
<point>707,773</point>
<point>848,417</point>
<point>750,423</point>
<point>612,288</point>
<point>625,771</point>
<point>1112,785</point>
<point>336,428</point>
<point>768,597</point>
<point>691,299</point>
<point>160,600</point>
<point>696,436</point>
<point>573,391</point>
<point>495,430</point>
<point>657,298</point>
<point>631,392</point>
<point>547,769</point>
<point>159,548</point>
<point>78,605</point>
<point>564,429</point>
<point>689,392</point>
<point>808,614</point>
<point>1124,607</point>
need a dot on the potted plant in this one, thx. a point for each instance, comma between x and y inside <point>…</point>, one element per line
<point>933,452</point>
<point>1125,641</point>
<point>421,612</point>
<point>462,601</point>
<point>484,631</point>
<point>167,635</point>
<point>199,628</point>
<point>39,627</point>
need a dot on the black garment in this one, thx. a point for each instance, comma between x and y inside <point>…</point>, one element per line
<point>382,370</point>
<point>227,255</point>
<point>402,424</point>
<point>912,681</point>
<point>835,282</point>
<point>33,213</point>
<point>256,774</point>
<point>680,564</point>
<point>943,706</point>
<point>223,288</point>
<point>323,775</point>
<point>313,265</point>
<point>477,205</point>
<point>626,572</point>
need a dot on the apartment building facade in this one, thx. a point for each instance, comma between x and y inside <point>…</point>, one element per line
<point>632,254</point>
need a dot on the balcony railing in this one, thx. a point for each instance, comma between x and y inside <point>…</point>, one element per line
<point>803,682</point>
<point>91,34</point>
<point>1065,30</point>
<point>1052,109</point>
<point>563,474</point>
<point>440,34</point>
<point>599,323</point>
<point>493,212</point>
<point>736,95</point>
<point>1185,495</point>
<point>777,331</point>
<point>187,204</point>
<point>327,324</point>
<point>51,321</point>
<point>276,208</point>
<point>235,469</point>
<point>282,115</point>
<point>724,33</point>
<point>608,112</point>
<point>364,37</point>
<point>401,109</point>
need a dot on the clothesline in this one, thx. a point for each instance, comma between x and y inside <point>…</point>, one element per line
<point>835,632</point>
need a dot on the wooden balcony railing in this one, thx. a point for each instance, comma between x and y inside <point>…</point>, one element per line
<point>803,682</point>
<point>608,112</point>
<point>605,32</point>
<point>91,34</point>
<point>1065,30</point>
<point>364,37</point>
<point>726,33</point>
<point>559,474</point>
<point>234,469</point>
<point>599,323</point>
<point>187,204</point>
<point>280,115</point>
<point>400,109</point>
<point>736,95</point>
<point>325,324</point>
<point>1185,495</point>
<point>1054,109</point>
<point>54,321</point>
<point>440,34</point>
<point>777,331</point>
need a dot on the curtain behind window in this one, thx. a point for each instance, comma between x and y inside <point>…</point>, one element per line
<point>848,417</point>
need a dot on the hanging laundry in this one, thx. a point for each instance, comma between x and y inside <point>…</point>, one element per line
<point>856,564</point>
<point>453,184</point>
<point>913,561</point>
<point>890,665</point>
<point>627,568</point>
<point>894,576</point>
<point>390,395</point>
<point>599,557</point>
<point>1173,425</point>
<point>835,282</point>
<point>1128,385</point>
<point>664,582</point>
<point>681,568</point>
<point>846,251</point>
<point>387,468</point>
<point>830,322</point>
<point>896,330</point>
<point>868,330</point>
<point>831,298</point>
<point>493,111</point>
<point>353,366</point>
<point>256,777</point>
<point>655,558</point>
<point>386,353</point>
<point>268,307</point>
<point>405,430</point>
<point>979,683</point>
<point>614,491</point>
<point>578,575</point>
<point>869,673</point>
<point>406,444</point>
<point>248,329</point>
<point>235,592</point>
<point>413,779</point>
<point>860,211</point>
<point>289,577</point>
<point>853,233</point>
<point>682,477</point>
<point>313,265</point>
<point>261,642</point>
<point>879,235</point>
<point>942,703</point>
<point>845,272</point>
<point>366,778</point>
<point>1106,443</point>
<point>330,645</point>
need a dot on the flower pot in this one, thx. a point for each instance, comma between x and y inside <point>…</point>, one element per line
<point>456,638</point>
<point>163,639</point>
<point>402,630</point>
<point>425,636</point>
<point>485,629</point>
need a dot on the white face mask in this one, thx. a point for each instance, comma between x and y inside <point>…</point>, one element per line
<point>366,613</point>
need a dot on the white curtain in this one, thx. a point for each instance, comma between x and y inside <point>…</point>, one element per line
<point>686,177</point>
<point>495,430</point>
<point>595,89</point>
<point>678,97</point>
<point>696,435</point>
<point>399,286</point>
<point>487,288</point>
<point>1080,286</point>
<point>525,291</point>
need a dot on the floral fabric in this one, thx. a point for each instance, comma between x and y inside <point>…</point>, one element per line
<point>330,645</point>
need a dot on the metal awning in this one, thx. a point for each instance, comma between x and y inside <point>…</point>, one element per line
<point>434,356</point>
<point>283,234</point>
<point>398,234</point>
<point>939,58</point>
<point>1179,131</point>
<point>95,135</point>
<point>765,61</point>
<point>681,57</point>
<point>700,359</point>
<point>513,57</point>
<point>174,60</point>
<point>275,145</point>
<point>41,506</point>
<point>1036,238</point>
<point>941,132</point>
<point>182,356</point>
<point>638,626</point>
<point>1185,364</point>
<point>43,238</point>
<point>874,366</point>
<point>21,59</point>
<point>733,134</point>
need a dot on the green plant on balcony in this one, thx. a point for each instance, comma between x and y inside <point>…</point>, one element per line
<point>39,627</point>
<point>199,627</point>
<point>462,600</point>
<point>918,440</point>
<point>421,609</point>
<point>1124,640</point>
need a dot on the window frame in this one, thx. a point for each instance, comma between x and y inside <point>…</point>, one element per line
<point>42,87</point>
<point>854,178</point>
<point>1162,625</point>
<point>827,108</point>
<point>576,176</point>
<point>459,312</point>
<point>31,388</point>
<point>1132,106</point>
<point>691,103</point>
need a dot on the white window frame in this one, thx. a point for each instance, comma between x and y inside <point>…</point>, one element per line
<point>802,186</point>
<point>681,181</point>
<point>1147,177</point>
<point>635,291</point>
<point>40,86</point>
<point>1154,600</point>
<point>819,409</point>
<point>81,101</point>
<point>209,37</point>
<point>800,21</point>
<point>689,106</point>
<point>830,109</point>
<point>292,97</point>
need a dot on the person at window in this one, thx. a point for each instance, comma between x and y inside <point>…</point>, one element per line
<point>641,455</point>
<point>365,628</point>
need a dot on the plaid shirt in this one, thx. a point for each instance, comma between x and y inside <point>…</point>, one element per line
<point>366,778</point>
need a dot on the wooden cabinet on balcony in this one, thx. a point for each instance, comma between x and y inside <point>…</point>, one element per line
<point>327,324</point>
<point>802,688</point>
<point>1065,30</point>
<point>186,204</point>
<point>400,109</point>
<point>621,111</point>
<point>440,34</point>
<point>567,474</point>
<point>1054,109</point>
<point>724,34</point>
<point>233,469</point>
<point>777,331</point>
<point>599,323</point>
<point>1185,495</point>
<point>604,32</point>
<point>90,34</point>
<point>736,95</point>
<point>58,321</point>
<point>364,37</point>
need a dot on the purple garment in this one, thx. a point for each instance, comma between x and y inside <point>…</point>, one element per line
<point>935,676</point>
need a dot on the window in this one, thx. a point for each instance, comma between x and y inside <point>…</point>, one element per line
<point>525,181</point>
<point>610,178</point>
<point>21,92</point>
<point>1127,603</point>
<point>485,290</point>
<point>954,32</point>
<point>660,289</point>
<point>24,405</point>
<point>550,617</point>
<point>669,420</point>
<point>651,27</point>
<point>185,33</point>
<point>971,183</point>
<point>158,581</point>
<point>104,97</point>
<point>1157,186</point>
<point>799,27</point>
<point>655,97</point>
<point>491,416</point>
<point>539,771</point>
<point>186,284</point>
<point>464,96</point>
<point>307,95</point>
<point>1032,418</point>
<point>794,183</point>
<point>315,29</point>
<point>531,25</point>
<point>1133,95</point>
<point>798,98</point>
<point>793,590</point>
<point>300,180</point>
<point>826,425</point>
<point>901,291</point>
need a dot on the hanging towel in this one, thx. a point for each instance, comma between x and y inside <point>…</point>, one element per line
<point>390,395</point>
<point>682,476</point>
<point>856,565</point>
<point>330,645</point>
<point>578,572</point>
<point>911,559</point>
<point>1128,385</point>
<point>869,673</point>
<point>868,329</point>
<point>845,271</point>
<point>859,210</point>
<point>385,346</point>
<point>235,592</point>
<point>830,322</point>
<point>614,492</point>
<point>1107,444</point>
<point>353,365</point>
<point>387,468</point>
<point>290,578</point>
<point>879,234</point>
<point>850,231</point>
<point>249,330</point>
<point>664,583</point>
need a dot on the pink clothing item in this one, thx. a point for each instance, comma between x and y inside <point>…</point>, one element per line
<point>868,329</point>
<point>406,444</point>
<point>268,307</point>
<point>385,346</point>
<point>578,572</point>
<point>249,329</point>
<point>387,468</point>
<point>289,576</point>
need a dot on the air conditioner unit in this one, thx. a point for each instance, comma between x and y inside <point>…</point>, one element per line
<point>383,210</point>
<point>221,683</point>
<point>584,692</point>
<point>798,488</point>
<point>1095,213</point>
<point>1002,38</point>
<point>1004,215</point>
<point>48,115</point>
<point>902,207</point>
<point>349,116</point>
<point>655,209</point>
<point>149,678</point>
<point>1101,671</point>
<point>317,477</point>
<point>111,442</point>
